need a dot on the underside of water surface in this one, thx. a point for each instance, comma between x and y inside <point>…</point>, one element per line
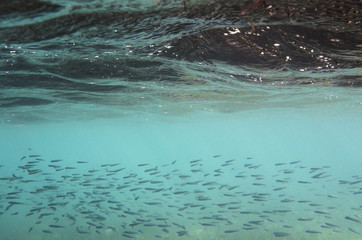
<point>171,119</point>
<point>109,58</point>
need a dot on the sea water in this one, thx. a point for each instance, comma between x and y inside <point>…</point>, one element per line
<point>269,158</point>
<point>140,120</point>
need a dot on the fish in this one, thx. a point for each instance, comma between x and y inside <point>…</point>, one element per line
<point>279,164</point>
<point>56,160</point>
<point>152,203</point>
<point>315,205</point>
<point>303,201</point>
<point>280,234</point>
<point>156,182</point>
<point>208,224</point>
<point>143,164</point>
<point>248,228</point>
<point>294,162</point>
<point>258,184</point>
<point>56,226</point>
<point>86,212</point>
<point>45,215</point>
<point>281,181</point>
<point>12,203</point>
<point>355,182</point>
<point>82,231</point>
<point>319,175</point>
<point>313,232</point>
<point>331,225</point>
<point>353,219</point>
<point>354,231</point>
<point>182,233</point>
<point>304,182</point>
<point>127,236</point>
<point>232,188</point>
<point>305,219</point>
<point>225,164</point>
<point>180,192</point>
<point>321,212</point>
<point>117,170</point>
<point>195,194</point>
<point>196,161</point>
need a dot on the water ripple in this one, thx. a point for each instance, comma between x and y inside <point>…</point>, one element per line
<point>139,55</point>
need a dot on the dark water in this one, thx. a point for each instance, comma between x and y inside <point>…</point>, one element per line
<point>110,58</point>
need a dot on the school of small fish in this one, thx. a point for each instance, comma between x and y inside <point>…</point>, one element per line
<point>186,200</point>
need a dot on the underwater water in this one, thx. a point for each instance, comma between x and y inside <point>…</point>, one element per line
<point>154,120</point>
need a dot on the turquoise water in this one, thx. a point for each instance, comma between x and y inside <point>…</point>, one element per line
<point>238,160</point>
<point>143,120</point>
